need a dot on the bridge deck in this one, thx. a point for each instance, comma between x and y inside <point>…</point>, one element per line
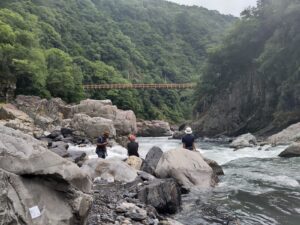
<point>139,86</point>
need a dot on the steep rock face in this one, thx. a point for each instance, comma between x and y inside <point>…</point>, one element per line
<point>244,106</point>
<point>31,175</point>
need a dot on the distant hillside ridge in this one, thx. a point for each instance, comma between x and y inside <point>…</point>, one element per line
<point>50,48</point>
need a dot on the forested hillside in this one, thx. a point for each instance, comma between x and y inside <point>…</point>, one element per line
<point>50,47</point>
<point>252,81</point>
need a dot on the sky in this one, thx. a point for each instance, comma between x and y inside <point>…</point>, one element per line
<point>233,7</point>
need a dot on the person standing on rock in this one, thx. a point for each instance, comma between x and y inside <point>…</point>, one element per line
<point>132,146</point>
<point>102,142</point>
<point>188,140</point>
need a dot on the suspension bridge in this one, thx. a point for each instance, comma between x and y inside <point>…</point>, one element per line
<point>139,86</point>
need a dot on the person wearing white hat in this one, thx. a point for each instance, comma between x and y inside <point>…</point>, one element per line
<point>188,140</point>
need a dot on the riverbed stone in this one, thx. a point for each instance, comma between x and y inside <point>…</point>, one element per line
<point>188,168</point>
<point>154,128</point>
<point>135,162</point>
<point>110,169</point>
<point>92,127</point>
<point>217,169</point>
<point>292,151</point>
<point>152,159</point>
<point>286,136</point>
<point>164,195</point>
<point>243,141</point>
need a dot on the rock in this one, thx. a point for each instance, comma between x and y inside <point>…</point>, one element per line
<point>217,169</point>
<point>178,134</point>
<point>31,175</point>
<point>286,136</point>
<point>169,221</point>
<point>10,112</point>
<point>134,162</point>
<point>92,127</point>
<point>66,132</point>
<point>163,195</point>
<point>292,151</point>
<point>188,168</point>
<point>124,121</point>
<point>58,202</point>
<point>54,134</point>
<point>243,141</point>
<point>109,169</point>
<point>151,160</point>
<point>60,148</point>
<point>34,106</point>
<point>21,154</point>
<point>146,176</point>
<point>154,128</point>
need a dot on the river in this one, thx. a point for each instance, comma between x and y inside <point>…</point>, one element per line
<point>258,188</point>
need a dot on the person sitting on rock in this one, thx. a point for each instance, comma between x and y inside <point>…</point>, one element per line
<point>188,140</point>
<point>102,142</point>
<point>132,146</point>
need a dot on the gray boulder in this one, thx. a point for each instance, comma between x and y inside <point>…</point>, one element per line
<point>60,148</point>
<point>154,128</point>
<point>178,134</point>
<point>21,154</point>
<point>110,170</point>
<point>33,176</point>
<point>163,195</point>
<point>151,160</point>
<point>58,202</point>
<point>292,151</point>
<point>286,136</point>
<point>124,121</point>
<point>188,168</point>
<point>217,169</point>
<point>92,127</point>
<point>243,141</point>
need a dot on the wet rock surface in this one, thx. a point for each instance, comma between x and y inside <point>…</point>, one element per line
<point>151,160</point>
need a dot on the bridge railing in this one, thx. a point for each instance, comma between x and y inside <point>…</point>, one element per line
<point>139,86</point>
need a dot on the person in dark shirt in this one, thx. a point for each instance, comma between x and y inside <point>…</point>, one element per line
<point>132,146</point>
<point>188,140</point>
<point>102,142</point>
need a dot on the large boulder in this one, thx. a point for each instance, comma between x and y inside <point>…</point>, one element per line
<point>110,170</point>
<point>243,141</point>
<point>178,134</point>
<point>163,195</point>
<point>124,121</point>
<point>187,167</point>
<point>17,119</point>
<point>92,127</point>
<point>34,106</point>
<point>154,128</point>
<point>151,160</point>
<point>286,136</point>
<point>217,169</point>
<point>32,176</point>
<point>292,151</point>
<point>21,154</point>
<point>57,202</point>
<point>60,148</point>
<point>134,162</point>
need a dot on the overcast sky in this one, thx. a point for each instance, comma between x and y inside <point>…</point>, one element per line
<point>234,7</point>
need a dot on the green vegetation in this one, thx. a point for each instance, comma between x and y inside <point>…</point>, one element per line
<point>263,49</point>
<point>51,47</point>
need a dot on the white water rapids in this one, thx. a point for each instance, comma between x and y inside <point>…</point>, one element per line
<point>258,186</point>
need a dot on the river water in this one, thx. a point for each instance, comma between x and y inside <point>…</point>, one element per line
<point>258,188</point>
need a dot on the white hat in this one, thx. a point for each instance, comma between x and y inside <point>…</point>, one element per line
<point>188,130</point>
